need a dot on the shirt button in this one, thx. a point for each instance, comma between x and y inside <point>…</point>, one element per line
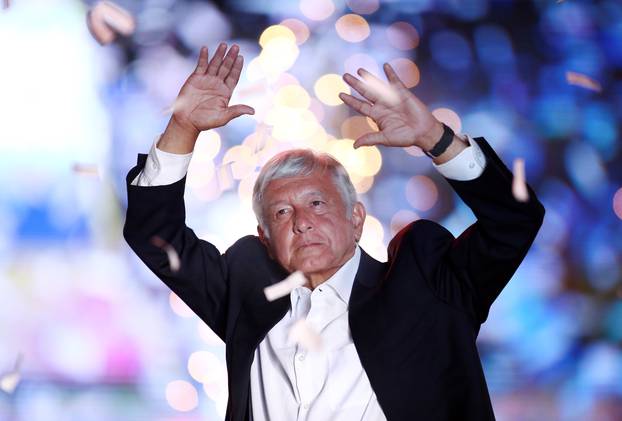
<point>471,165</point>
<point>301,357</point>
<point>305,406</point>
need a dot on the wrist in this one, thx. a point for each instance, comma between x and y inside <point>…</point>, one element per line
<point>456,146</point>
<point>178,138</point>
<point>432,136</point>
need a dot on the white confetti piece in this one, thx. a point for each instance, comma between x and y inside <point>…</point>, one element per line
<point>304,335</point>
<point>519,186</point>
<point>579,79</point>
<point>177,104</point>
<point>85,169</point>
<point>107,19</point>
<point>9,381</point>
<point>173,258</point>
<point>224,176</point>
<point>383,90</point>
<point>285,287</point>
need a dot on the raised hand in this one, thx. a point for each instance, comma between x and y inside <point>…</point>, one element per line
<point>402,119</point>
<point>203,101</point>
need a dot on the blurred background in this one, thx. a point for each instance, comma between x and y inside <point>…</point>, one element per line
<point>88,333</point>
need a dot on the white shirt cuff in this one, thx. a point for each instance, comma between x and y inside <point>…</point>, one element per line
<point>467,165</point>
<point>162,168</point>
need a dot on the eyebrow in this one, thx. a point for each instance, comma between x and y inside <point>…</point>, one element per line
<point>303,195</point>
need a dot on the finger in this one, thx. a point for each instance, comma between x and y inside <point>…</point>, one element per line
<point>214,64</point>
<point>202,62</point>
<point>392,76</point>
<point>382,90</point>
<point>230,58</point>
<point>237,110</point>
<point>356,104</point>
<point>370,139</point>
<point>360,87</point>
<point>234,74</point>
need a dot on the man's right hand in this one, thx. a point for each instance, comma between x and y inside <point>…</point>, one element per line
<point>203,102</point>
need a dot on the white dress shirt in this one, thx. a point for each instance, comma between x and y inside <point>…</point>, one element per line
<point>287,382</point>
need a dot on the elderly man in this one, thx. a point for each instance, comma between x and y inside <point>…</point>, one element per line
<point>399,337</point>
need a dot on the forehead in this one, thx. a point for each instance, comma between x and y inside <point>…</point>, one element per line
<point>317,182</point>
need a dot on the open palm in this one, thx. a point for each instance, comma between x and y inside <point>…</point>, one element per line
<point>402,119</point>
<point>203,101</point>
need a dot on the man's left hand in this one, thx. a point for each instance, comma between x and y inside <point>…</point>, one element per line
<point>402,119</point>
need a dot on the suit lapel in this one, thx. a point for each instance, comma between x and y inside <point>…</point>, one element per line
<point>368,279</point>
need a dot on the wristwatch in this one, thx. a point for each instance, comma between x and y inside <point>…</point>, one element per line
<point>442,144</point>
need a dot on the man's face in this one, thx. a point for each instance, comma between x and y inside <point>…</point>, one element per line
<point>307,225</point>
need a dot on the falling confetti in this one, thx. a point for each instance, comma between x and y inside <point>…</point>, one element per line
<point>381,89</point>
<point>579,79</point>
<point>283,288</point>
<point>107,19</point>
<point>6,4</point>
<point>304,335</point>
<point>86,169</point>
<point>519,187</point>
<point>171,108</point>
<point>173,257</point>
<point>9,381</point>
<point>224,176</point>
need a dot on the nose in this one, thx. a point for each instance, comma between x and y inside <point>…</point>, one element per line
<point>302,223</point>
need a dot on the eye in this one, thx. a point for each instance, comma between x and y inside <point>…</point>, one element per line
<point>282,212</point>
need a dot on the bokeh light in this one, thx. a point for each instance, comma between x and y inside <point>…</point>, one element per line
<point>242,161</point>
<point>299,28</point>
<point>407,71</point>
<point>279,52</point>
<point>364,7</point>
<point>182,395</point>
<point>356,126</point>
<point>361,60</point>
<point>317,9</point>
<point>206,367</point>
<point>364,161</point>
<point>449,117</point>
<point>617,203</point>
<point>179,307</point>
<point>402,218</point>
<point>403,36</point>
<point>276,32</point>
<point>328,87</point>
<point>421,192</point>
<point>352,28</point>
<point>372,239</point>
<point>294,96</point>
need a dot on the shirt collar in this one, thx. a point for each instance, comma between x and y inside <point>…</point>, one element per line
<point>341,282</point>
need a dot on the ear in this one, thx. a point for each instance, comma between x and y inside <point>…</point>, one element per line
<point>358,219</point>
<point>263,237</point>
<point>265,240</point>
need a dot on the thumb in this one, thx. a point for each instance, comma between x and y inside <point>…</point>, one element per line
<point>237,110</point>
<point>370,139</point>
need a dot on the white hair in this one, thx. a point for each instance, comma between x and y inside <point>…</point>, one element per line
<point>302,162</point>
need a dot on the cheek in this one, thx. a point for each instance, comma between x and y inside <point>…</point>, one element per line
<point>280,244</point>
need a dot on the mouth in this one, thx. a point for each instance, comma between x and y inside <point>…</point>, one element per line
<point>308,245</point>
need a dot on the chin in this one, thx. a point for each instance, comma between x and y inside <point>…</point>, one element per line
<point>314,266</point>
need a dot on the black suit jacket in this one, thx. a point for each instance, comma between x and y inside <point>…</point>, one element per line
<point>414,319</point>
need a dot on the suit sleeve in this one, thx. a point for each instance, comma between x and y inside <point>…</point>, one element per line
<point>202,279</point>
<point>470,271</point>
